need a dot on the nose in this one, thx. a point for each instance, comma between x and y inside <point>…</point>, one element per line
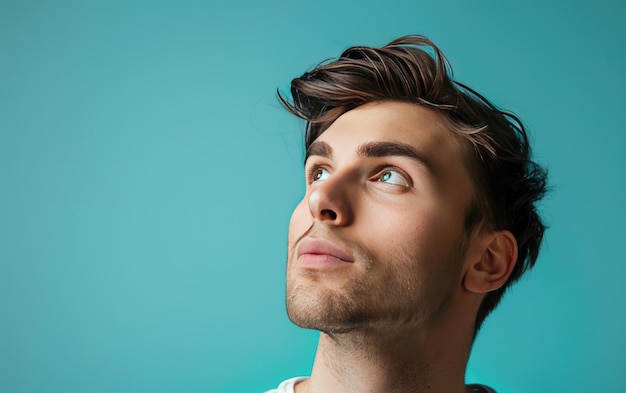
<point>330,201</point>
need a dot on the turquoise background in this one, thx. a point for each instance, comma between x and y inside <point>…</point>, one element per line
<point>147,175</point>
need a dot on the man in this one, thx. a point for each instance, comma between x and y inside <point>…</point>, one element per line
<point>419,213</point>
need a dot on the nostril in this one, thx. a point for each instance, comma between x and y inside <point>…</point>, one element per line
<point>331,214</point>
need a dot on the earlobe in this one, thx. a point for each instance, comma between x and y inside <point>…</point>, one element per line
<point>494,265</point>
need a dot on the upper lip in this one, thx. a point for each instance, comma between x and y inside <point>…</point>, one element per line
<point>322,247</point>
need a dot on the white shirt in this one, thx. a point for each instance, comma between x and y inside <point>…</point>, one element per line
<point>287,386</point>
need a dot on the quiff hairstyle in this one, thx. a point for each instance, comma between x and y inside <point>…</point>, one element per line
<point>507,183</point>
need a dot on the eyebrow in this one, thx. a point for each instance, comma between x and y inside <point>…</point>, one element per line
<point>374,149</point>
<point>319,148</point>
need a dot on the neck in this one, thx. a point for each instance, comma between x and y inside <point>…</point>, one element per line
<point>398,361</point>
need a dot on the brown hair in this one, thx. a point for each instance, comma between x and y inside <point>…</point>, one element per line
<point>412,69</point>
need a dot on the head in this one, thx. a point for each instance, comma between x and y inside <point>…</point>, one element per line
<point>492,146</point>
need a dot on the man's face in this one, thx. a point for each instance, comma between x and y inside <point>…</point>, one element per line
<point>378,240</point>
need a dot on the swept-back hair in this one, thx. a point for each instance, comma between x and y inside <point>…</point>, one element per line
<point>507,183</point>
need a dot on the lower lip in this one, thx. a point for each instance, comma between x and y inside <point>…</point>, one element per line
<point>321,261</point>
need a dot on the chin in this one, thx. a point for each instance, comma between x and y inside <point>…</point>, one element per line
<point>325,310</point>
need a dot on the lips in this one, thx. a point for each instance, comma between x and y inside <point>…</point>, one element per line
<point>320,253</point>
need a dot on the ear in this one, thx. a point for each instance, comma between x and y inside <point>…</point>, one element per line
<point>494,263</point>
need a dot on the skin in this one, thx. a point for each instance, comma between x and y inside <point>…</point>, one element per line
<point>379,260</point>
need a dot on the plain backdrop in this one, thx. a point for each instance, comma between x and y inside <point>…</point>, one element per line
<point>147,176</point>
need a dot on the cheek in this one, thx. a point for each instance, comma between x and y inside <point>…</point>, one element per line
<point>300,222</point>
<point>425,235</point>
<point>405,226</point>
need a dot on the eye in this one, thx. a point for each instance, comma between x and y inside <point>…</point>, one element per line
<point>392,176</point>
<point>318,174</point>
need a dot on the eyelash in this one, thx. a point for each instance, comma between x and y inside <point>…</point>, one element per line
<point>310,175</point>
<point>389,170</point>
<point>380,173</point>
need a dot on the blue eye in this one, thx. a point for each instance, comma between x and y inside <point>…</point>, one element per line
<point>319,174</point>
<point>392,177</point>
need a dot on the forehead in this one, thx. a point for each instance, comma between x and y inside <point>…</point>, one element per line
<point>422,128</point>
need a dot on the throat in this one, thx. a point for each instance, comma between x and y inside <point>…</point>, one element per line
<point>355,362</point>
